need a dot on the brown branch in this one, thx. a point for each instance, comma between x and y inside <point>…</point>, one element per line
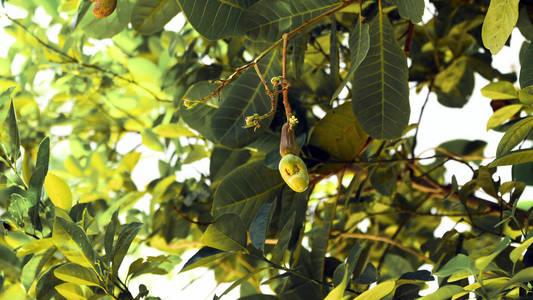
<point>409,39</point>
<point>184,216</point>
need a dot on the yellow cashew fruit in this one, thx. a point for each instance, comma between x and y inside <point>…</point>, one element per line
<point>294,172</point>
<point>103,8</point>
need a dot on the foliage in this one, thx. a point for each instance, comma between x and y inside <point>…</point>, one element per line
<point>222,87</point>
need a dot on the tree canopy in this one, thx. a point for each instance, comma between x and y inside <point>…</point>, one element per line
<point>340,205</point>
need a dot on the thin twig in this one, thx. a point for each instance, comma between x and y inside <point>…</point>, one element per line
<point>420,118</point>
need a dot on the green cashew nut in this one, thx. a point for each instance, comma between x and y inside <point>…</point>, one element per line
<point>294,172</point>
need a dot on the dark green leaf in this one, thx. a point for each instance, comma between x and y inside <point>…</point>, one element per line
<point>523,172</point>
<point>384,179</point>
<point>259,226</point>
<point>109,237</point>
<point>125,237</point>
<point>514,136</point>
<point>224,160</point>
<point>524,24</point>
<point>460,262</point>
<point>45,288</point>
<point>224,17</point>
<point>228,233</point>
<point>245,190</point>
<point>411,9</point>
<point>524,275</point>
<point>33,267</point>
<point>359,43</point>
<point>150,16</point>
<point>454,84</point>
<point>384,111</point>
<point>70,240</point>
<point>199,117</point>
<point>202,257</point>
<point>18,208</point>
<point>83,8</point>
<point>526,67</point>
<point>278,252</point>
<point>13,139</point>
<point>242,98</point>
<point>39,173</point>
<point>267,20</point>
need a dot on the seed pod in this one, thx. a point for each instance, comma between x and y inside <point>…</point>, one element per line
<point>294,172</point>
<point>103,8</point>
<point>287,143</point>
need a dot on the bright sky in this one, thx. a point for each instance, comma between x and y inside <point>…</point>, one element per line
<point>439,124</point>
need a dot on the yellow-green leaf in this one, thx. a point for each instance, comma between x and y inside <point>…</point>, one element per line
<point>58,191</point>
<point>172,131</point>
<point>379,291</point>
<point>35,246</point>
<point>74,273</point>
<point>503,114</point>
<point>499,23</point>
<point>70,240</point>
<point>71,291</point>
<point>526,95</point>
<point>151,140</point>
<point>500,90</point>
<point>517,252</point>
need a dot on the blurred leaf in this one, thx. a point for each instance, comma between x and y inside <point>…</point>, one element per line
<point>151,140</point>
<point>202,257</point>
<point>124,240</point>
<point>71,291</point>
<point>359,43</point>
<point>58,191</point>
<point>348,268</point>
<point>74,273</point>
<point>32,268</point>
<point>12,134</point>
<point>70,240</point>
<point>245,190</point>
<point>102,28</point>
<point>384,179</point>
<point>499,22</point>
<point>259,226</point>
<point>524,275</point>
<point>482,262</point>
<point>411,9</point>
<point>503,114</point>
<point>172,131</point>
<point>278,252</point>
<point>523,172</point>
<point>514,136</point>
<point>443,293</point>
<point>39,173</point>
<point>384,112</point>
<point>340,134</point>
<point>35,246</point>
<point>524,24</point>
<point>109,237</point>
<point>526,67</point>
<point>196,153</point>
<point>500,90</point>
<point>228,233</point>
<point>9,263</point>
<point>513,158</point>
<point>150,16</point>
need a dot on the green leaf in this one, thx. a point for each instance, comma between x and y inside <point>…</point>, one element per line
<point>203,256</point>
<point>74,273</point>
<point>216,19</point>
<point>379,291</point>
<point>70,240</point>
<point>83,8</point>
<point>460,262</point>
<point>380,96</point>
<point>278,252</point>
<point>71,291</point>
<point>515,255</point>
<point>383,179</point>
<point>359,43</point>
<point>526,95</point>
<point>39,173</point>
<point>33,267</point>
<point>523,276</point>
<point>351,261</point>
<point>513,158</point>
<point>242,98</point>
<point>524,24</point>
<point>228,233</point>
<point>340,134</point>
<point>161,265</point>
<point>259,226</point>
<point>125,237</point>
<point>443,293</point>
<point>267,20</point>
<point>503,114</point>
<point>13,139</point>
<point>199,117</point>
<point>319,240</point>
<point>524,173</point>
<point>9,263</point>
<point>35,246</point>
<point>45,288</point>
<point>196,153</point>
<point>500,90</point>
<point>245,190</point>
<point>499,22</point>
<point>411,9</point>
<point>109,26</point>
<point>482,262</point>
<point>514,136</point>
<point>58,191</point>
<point>150,16</point>
<point>173,131</point>
<point>18,208</point>
<point>526,67</point>
<point>224,160</point>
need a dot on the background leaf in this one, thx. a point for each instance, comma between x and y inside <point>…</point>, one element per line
<point>228,233</point>
<point>149,16</point>
<point>411,9</point>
